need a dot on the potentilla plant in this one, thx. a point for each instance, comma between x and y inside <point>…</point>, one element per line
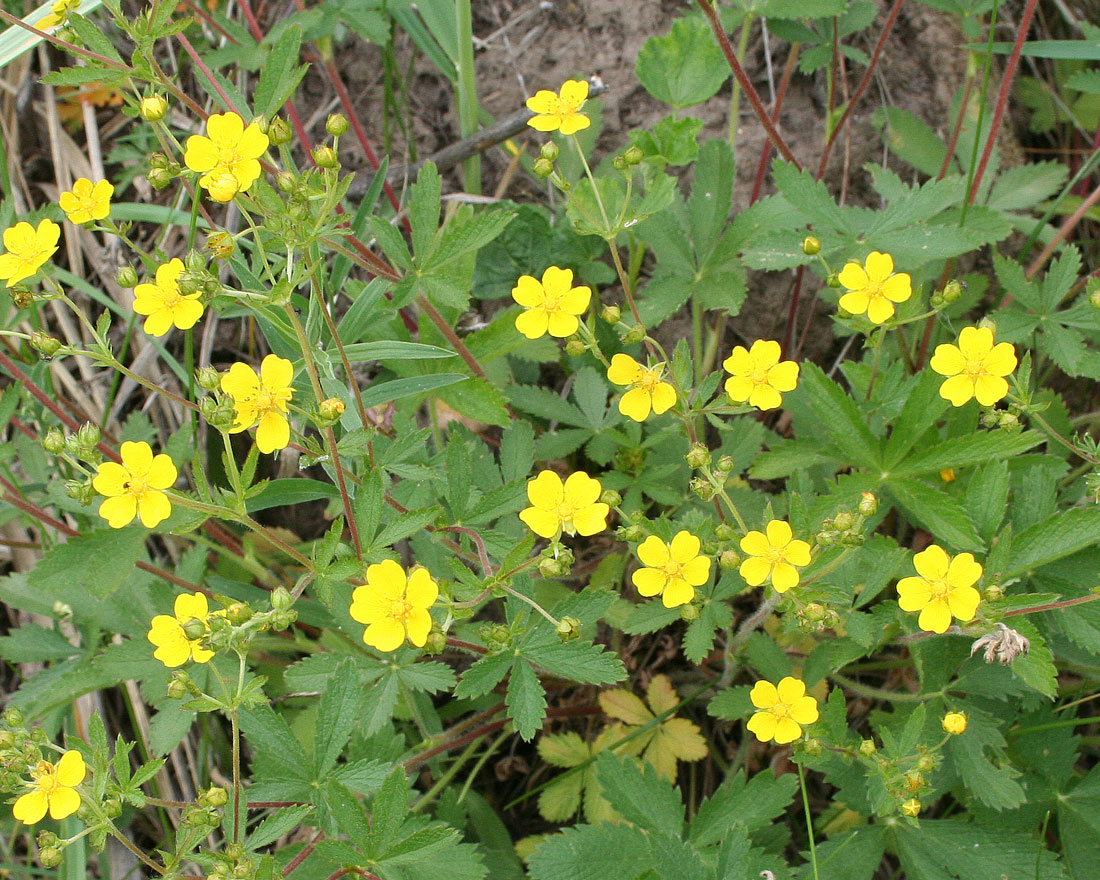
<point>737,612</point>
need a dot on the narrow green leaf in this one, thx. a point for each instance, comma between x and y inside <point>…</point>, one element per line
<point>845,425</point>
<point>1045,542</point>
<point>526,700</point>
<point>393,350</point>
<point>396,389</point>
<point>281,73</point>
<point>960,452</point>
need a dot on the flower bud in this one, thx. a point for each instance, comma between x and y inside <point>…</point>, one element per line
<point>281,620</point>
<point>1009,422</point>
<point>215,797</point>
<point>728,560</point>
<point>153,108</point>
<point>88,435</point>
<point>81,490</point>
<point>126,276</point>
<point>698,456</point>
<point>193,629</point>
<point>569,628</point>
<point>689,612</point>
<point>7,740</point>
<point>633,155</point>
<point>177,690</point>
<point>812,747</point>
<point>911,808</point>
<point>331,408</point>
<point>989,324</point>
<point>21,297</point>
<point>49,856</point>
<point>611,498</point>
<point>45,345</point>
<point>13,717</point>
<point>220,245</point>
<point>619,163</point>
<point>914,780</point>
<point>551,568</point>
<point>814,611</point>
<point>811,246</point>
<point>936,300</point>
<point>112,807</point>
<point>833,280</point>
<point>286,181</point>
<point>575,348</point>
<point>634,334</point>
<point>724,465</point>
<point>54,441</point>
<point>633,533</point>
<point>843,521</point>
<point>953,289</point>
<point>868,504</point>
<point>238,613</point>
<point>550,151</point>
<point>1094,298</point>
<point>208,378</point>
<point>926,763</point>
<point>281,599</point>
<point>336,124</point>
<point>993,593</point>
<point>279,132</point>
<point>611,314</point>
<point>703,488</point>
<point>867,748</point>
<point>543,168</point>
<point>724,532</point>
<point>325,157</point>
<point>436,643</point>
<point>47,838</point>
<point>159,178</point>
<point>954,723</point>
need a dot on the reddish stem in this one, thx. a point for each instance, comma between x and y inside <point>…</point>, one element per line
<point>304,854</point>
<point>957,130</point>
<point>765,153</point>
<point>1002,96</point>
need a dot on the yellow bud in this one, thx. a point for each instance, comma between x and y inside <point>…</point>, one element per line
<point>954,723</point>
<point>811,246</point>
<point>332,408</point>
<point>153,108</point>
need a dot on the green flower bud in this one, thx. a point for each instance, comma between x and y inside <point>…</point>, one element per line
<point>13,717</point>
<point>811,246</point>
<point>153,109</point>
<point>631,533</point>
<point>337,124</point>
<point>49,856</point>
<point>724,532</point>
<point>215,796</point>
<point>21,297</point>
<point>436,643</point>
<point>281,620</point>
<point>953,289</point>
<point>634,334</point>
<point>843,521</point>
<point>44,344</point>
<point>833,280</point>
<point>993,593</point>
<point>238,613</point>
<point>569,628</point>
<point>724,465</point>
<point>126,276</point>
<point>926,763</point>
<point>633,155</point>
<point>112,807</point>
<point>575,348</point>
<point>194,629</point>
<point>868,504</point>
<point>689,612</point>
<point>331,408</point>
<point>611,314</point>
<point>611,498</point>
<point>176,690</point>
<point>812,747</point>
<point>286,181</point>
<point>47,838</point>
<point>1094,298</point>
<point>1009,422</point>
<point>698,456</point>
<point>543,167</point>
<point>814,611</point>
<point>159,178</point>
<point>281,600</point>
<point>220,245</point>
<point>208,378</point>
<point>7,740</point>
<point>867,748</point>
<point>88,435</point>
<point>159,160</point>
<point>852,539</point>
<point>54,441</point>
<point>325,157</point>
<point>620,164</point>
<point>81,490</point>
<point>702,488</point>
<point>936,300</point>
<point>550,151</point>
<point>988,323</point>
<point>279,132</point>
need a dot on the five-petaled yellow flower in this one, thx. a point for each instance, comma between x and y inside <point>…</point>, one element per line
<point>560,111</point>
<point>945,589</point>
<point>975,367</point>
<point>179,638</point>
<point>54,789</point>
<point>757,375</point>
<point>551,305</point>
<point>647,391</point>
<point>134,488</point>
<point>874,288</point>
<point>228,157</point>
<point>773,555</point>
<point>781,710</point>
<point>87,201</point>
<point>673,570</point>
<point>262,399</point>
<point>573,506</point>
<point>954,723</point>
<point>28,249</point>
<point>394,606</point>
<point>164,305</point>
<point>59,14</point>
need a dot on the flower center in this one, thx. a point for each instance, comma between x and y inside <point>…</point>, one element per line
<point>266,400</point>
<point>674,570</point>
<point>647,380</point>
<point>759,376</point>
<point>561,107</point>
<point>940,590</point>
<point>565,511</point>
<point>974,368</point>
<point>781,711</point>
<point>873,289</point>
<point>45,777</point>
<point>401,609</point>
<point>136,486</point>
<point>775,555</point>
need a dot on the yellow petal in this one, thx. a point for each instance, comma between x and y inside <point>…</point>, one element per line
<point>913,593</point>
<point>153,508</point>
<point>936,617</point>
<point>948,360</point>
<point>385,635</point>
<point>765,353</point>
<point>684,546</point>
<point>958,389</point>
<point>159,321</point>
<point>110,479</point>
<point>575,91</point>
<point>898,288</point>
<point>1001,360</point>
<point>533,323</point>
<point>764,695</point>
<point>853,277</point>
<point>797,553</point>
<point>389,577</point>
<point>989,389</point>
<point>784,376</point>
<point>175,652</point>
<point>786,731</point>
<point>591,520</point>
<point>678,592</point>
<point>188,606</point>
<point>559,324</point>
<point>136,457</point>
<point>200,153</point>
<point>119,511</point>
<point>976,342</point>
<point>762,724</point>
<point>739,363</point>
<point>369,605</point>
<point>649,581</point>
<point>577,299</point>
<point>932,562</point>
<point>739,388</point>
<point>855,302</point>
<point>546,491</point>
<point>31,807</point>
<point>543,101</point>
<point>70,769</point>
<point>755,543</point>
<point>784,576</point>
<point>880,310</point>
<point>543,123</point>
<point>528,292</point>
<point>624,370</point>
<point>664,398</point>
<point>779,533</point>
<point>654,552</point>
<point>804,710</point>
<point>422,590</point>
<point>241,382</point>
<point>879,266</point>
<point>541,522</point>
<point>573,123</point>
<point>635,404</point>
<point>697,571</point>
<point>225,128</point>
<point>790,689</point>
<point>162,473</point>
<point>253,142</point>
<point>273,432</point>
<point>964,571</point>
<point>418,626</point>
<point>764,397</point>
<point>276,373</point>
<point>963,603</point>
<point>581,489</point>
<point>755,570</point>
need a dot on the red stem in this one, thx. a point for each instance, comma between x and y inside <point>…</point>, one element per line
<point>304,854</point>
<point>765,153</point>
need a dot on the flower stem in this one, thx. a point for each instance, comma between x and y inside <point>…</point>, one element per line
<point>809,820</point>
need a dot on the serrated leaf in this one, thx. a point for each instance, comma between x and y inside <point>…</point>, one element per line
<point>396,389</point>
<point>811,197</point>
<point>1054,538</point>
<point>960,452</point>
<point>526,700</point>
<point>563,749</point>
<point>578,661</point>
<point>839,416</point>
<point>936,511</point>
<point>483,676</point>
<point>280,73</point>
<point>943,849</point>
<point>639,795</point>
<point>592,852</point>
<point>684,68</point>
<point>753,805</point>
<point>282,821</point>
<point>337,712</point>
<point>98,562</point>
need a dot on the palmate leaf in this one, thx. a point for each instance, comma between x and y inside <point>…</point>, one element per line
<point>947,849</point>
<point>639,795</point>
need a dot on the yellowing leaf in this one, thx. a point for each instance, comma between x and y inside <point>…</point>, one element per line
<point>625,706</point>
<point>563,750</point>
<point>560,800</point>
<point>661,695</point>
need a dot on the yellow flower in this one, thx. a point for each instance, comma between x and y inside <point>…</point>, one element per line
<point>975,367</point>
<point>551,305</point>
<point>393,606</point>
<point>560,112</point>
<point>227,157</point>
<point>59,14</point>
<point>873,288</point>
<point>572,507</point>
<point>773,555</point>
<point>164,305</point>
<point>262,399</point>
<point>945,589</point>
<point>673,570</point>
<point>28,249</point>
<point>954,723</point>
<point>133,487</point>
<point>54,789</point>
<point>911,808</point>
<point>757,375</point>
<point>647,391</point>
<point>179,638</point>
<point>781,710</point>
<point>87,200</point>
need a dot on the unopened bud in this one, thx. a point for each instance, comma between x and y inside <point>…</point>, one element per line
<point>153,108</point>
<point>279,132</point>
<point>126,276</point>
<point>238,613</point>
<point>112,807</point>
<point>702,488</point>
<point>286,181</point>
<point>833,280</point>
<point>325,157</point>
<point>193,629</point>
<point>698,456</point>
<point>724,465</point>
<point>689,612</point>
<point>911,808</point>
<point>21,297</point>
<point>1008,422</point>
<point>631,533</point>
<point>953,289</point>
<point>551,568</point>
<point>955,723</point>
<point>215,796</point>
<point>1094,298</point>
<point>611,498</point>
<point>543,167</point>
<point>724,532</point>
<point>989,324</point>
<point>574,348</point>
<point>281,599</point>
<point>54,441</point>
<point>49,856</point>
<point>633,155</point>
<point>81,490</point>
<point>811,246</point>
<point>45,345</point>
<point>814,611</point>
<point>208,378</point>
<point>436,643</point>
<point>611,314</point>
<point>914,780</point>
<point>843,521</point>
<point>867,748</point>
<point>336,124</point>
<point>993,593</point>
<point>619,163</point>
<point>88,435</point>
<point>812,747</point>
<point>926,763</point>
<point>634,334</point>
<point>569,628</point>
<point>550,151</point>
<point>13,717</point>
<point>220,245</point>
<point>331,408</point>
<point>177,690</point>
<point>868,504</point>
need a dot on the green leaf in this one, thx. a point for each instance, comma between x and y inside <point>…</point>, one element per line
<point>283,493</point>
<point>578,661</point>
<point>282,821</point>
<point>483,676</point>
<point>944,849</point>
<point>592,852</point>
<point>922,409</point>
<point>1079,824</point>
<point>281,73</point>
<point>960,452</point>
<point>526,700</point>
<point>811,197</point>
<point>987,497</point>
<point>911,139</point>
<point>936,511</point>
<point>396,389</point>
<point>405,525</point>
<point>517,451</point>
<point>272,743</point>
<point>1060,536</point>
<point>393,350</point>
<point>754,805</point>
<point>98,562</point>
<point>337,713</point>
<point>684,68</point>
<point>1036,667</point>
<point>993,782</point>
<point>466,235</point>
<point>639,795</point>
<point>841,419</point>
<point>31,643</point>
<point>480,400</point>
<point>424,201</point>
